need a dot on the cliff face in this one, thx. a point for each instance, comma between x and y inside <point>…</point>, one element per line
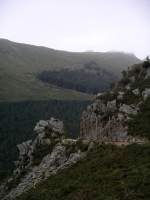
<point>106,120</point>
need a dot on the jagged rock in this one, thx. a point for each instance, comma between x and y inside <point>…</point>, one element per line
<point>54,124</point>
<point>129,109</point>
<point>50,164</point>
<point>101,106</point>
<point>40,126</point>
<point>49,133</point>
<point>120,95</point>
<point>146,93</point>
<point>42,123</point>
<point>102,126</point>
<point>107,118</point>
<point>53,152</point>
<point>109,126</point>
<point>111,105</point>
<point>136,91</point>
<point>24,147</point>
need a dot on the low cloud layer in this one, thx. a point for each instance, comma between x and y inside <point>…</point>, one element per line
<point>78,25</point>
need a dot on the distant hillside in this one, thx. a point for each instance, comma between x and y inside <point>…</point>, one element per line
<point>21,63</point>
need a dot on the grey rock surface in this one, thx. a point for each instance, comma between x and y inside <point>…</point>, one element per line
<point>31,168</point>
<point>146,93</point>
<point>129,109</point>
<point>136,91</point>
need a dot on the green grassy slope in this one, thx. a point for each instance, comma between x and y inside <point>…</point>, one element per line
<point>20,63</point>
<point>107,173</point>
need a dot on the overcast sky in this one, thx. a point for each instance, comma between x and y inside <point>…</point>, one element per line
<point>79,25</point>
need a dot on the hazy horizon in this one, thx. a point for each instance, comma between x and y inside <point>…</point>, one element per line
<point>78,26</point>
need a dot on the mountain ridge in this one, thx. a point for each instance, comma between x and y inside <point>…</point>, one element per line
<point>20,64</point>
<point>67,51</point>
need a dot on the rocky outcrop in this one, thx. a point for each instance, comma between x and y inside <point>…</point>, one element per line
<point>106,120</point>
<point>48,153</point>
<point>49,133</point>
<point>129,109</point>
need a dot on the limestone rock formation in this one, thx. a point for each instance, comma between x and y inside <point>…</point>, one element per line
<point>38,159</point>
<point>106,120</point>
<point>49,133</point>
<point>105,123</point>
<point>129,109</point>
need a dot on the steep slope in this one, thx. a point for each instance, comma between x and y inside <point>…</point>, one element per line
<point>108,172</point>
<point>20,64</point>
<point>119,170</point>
